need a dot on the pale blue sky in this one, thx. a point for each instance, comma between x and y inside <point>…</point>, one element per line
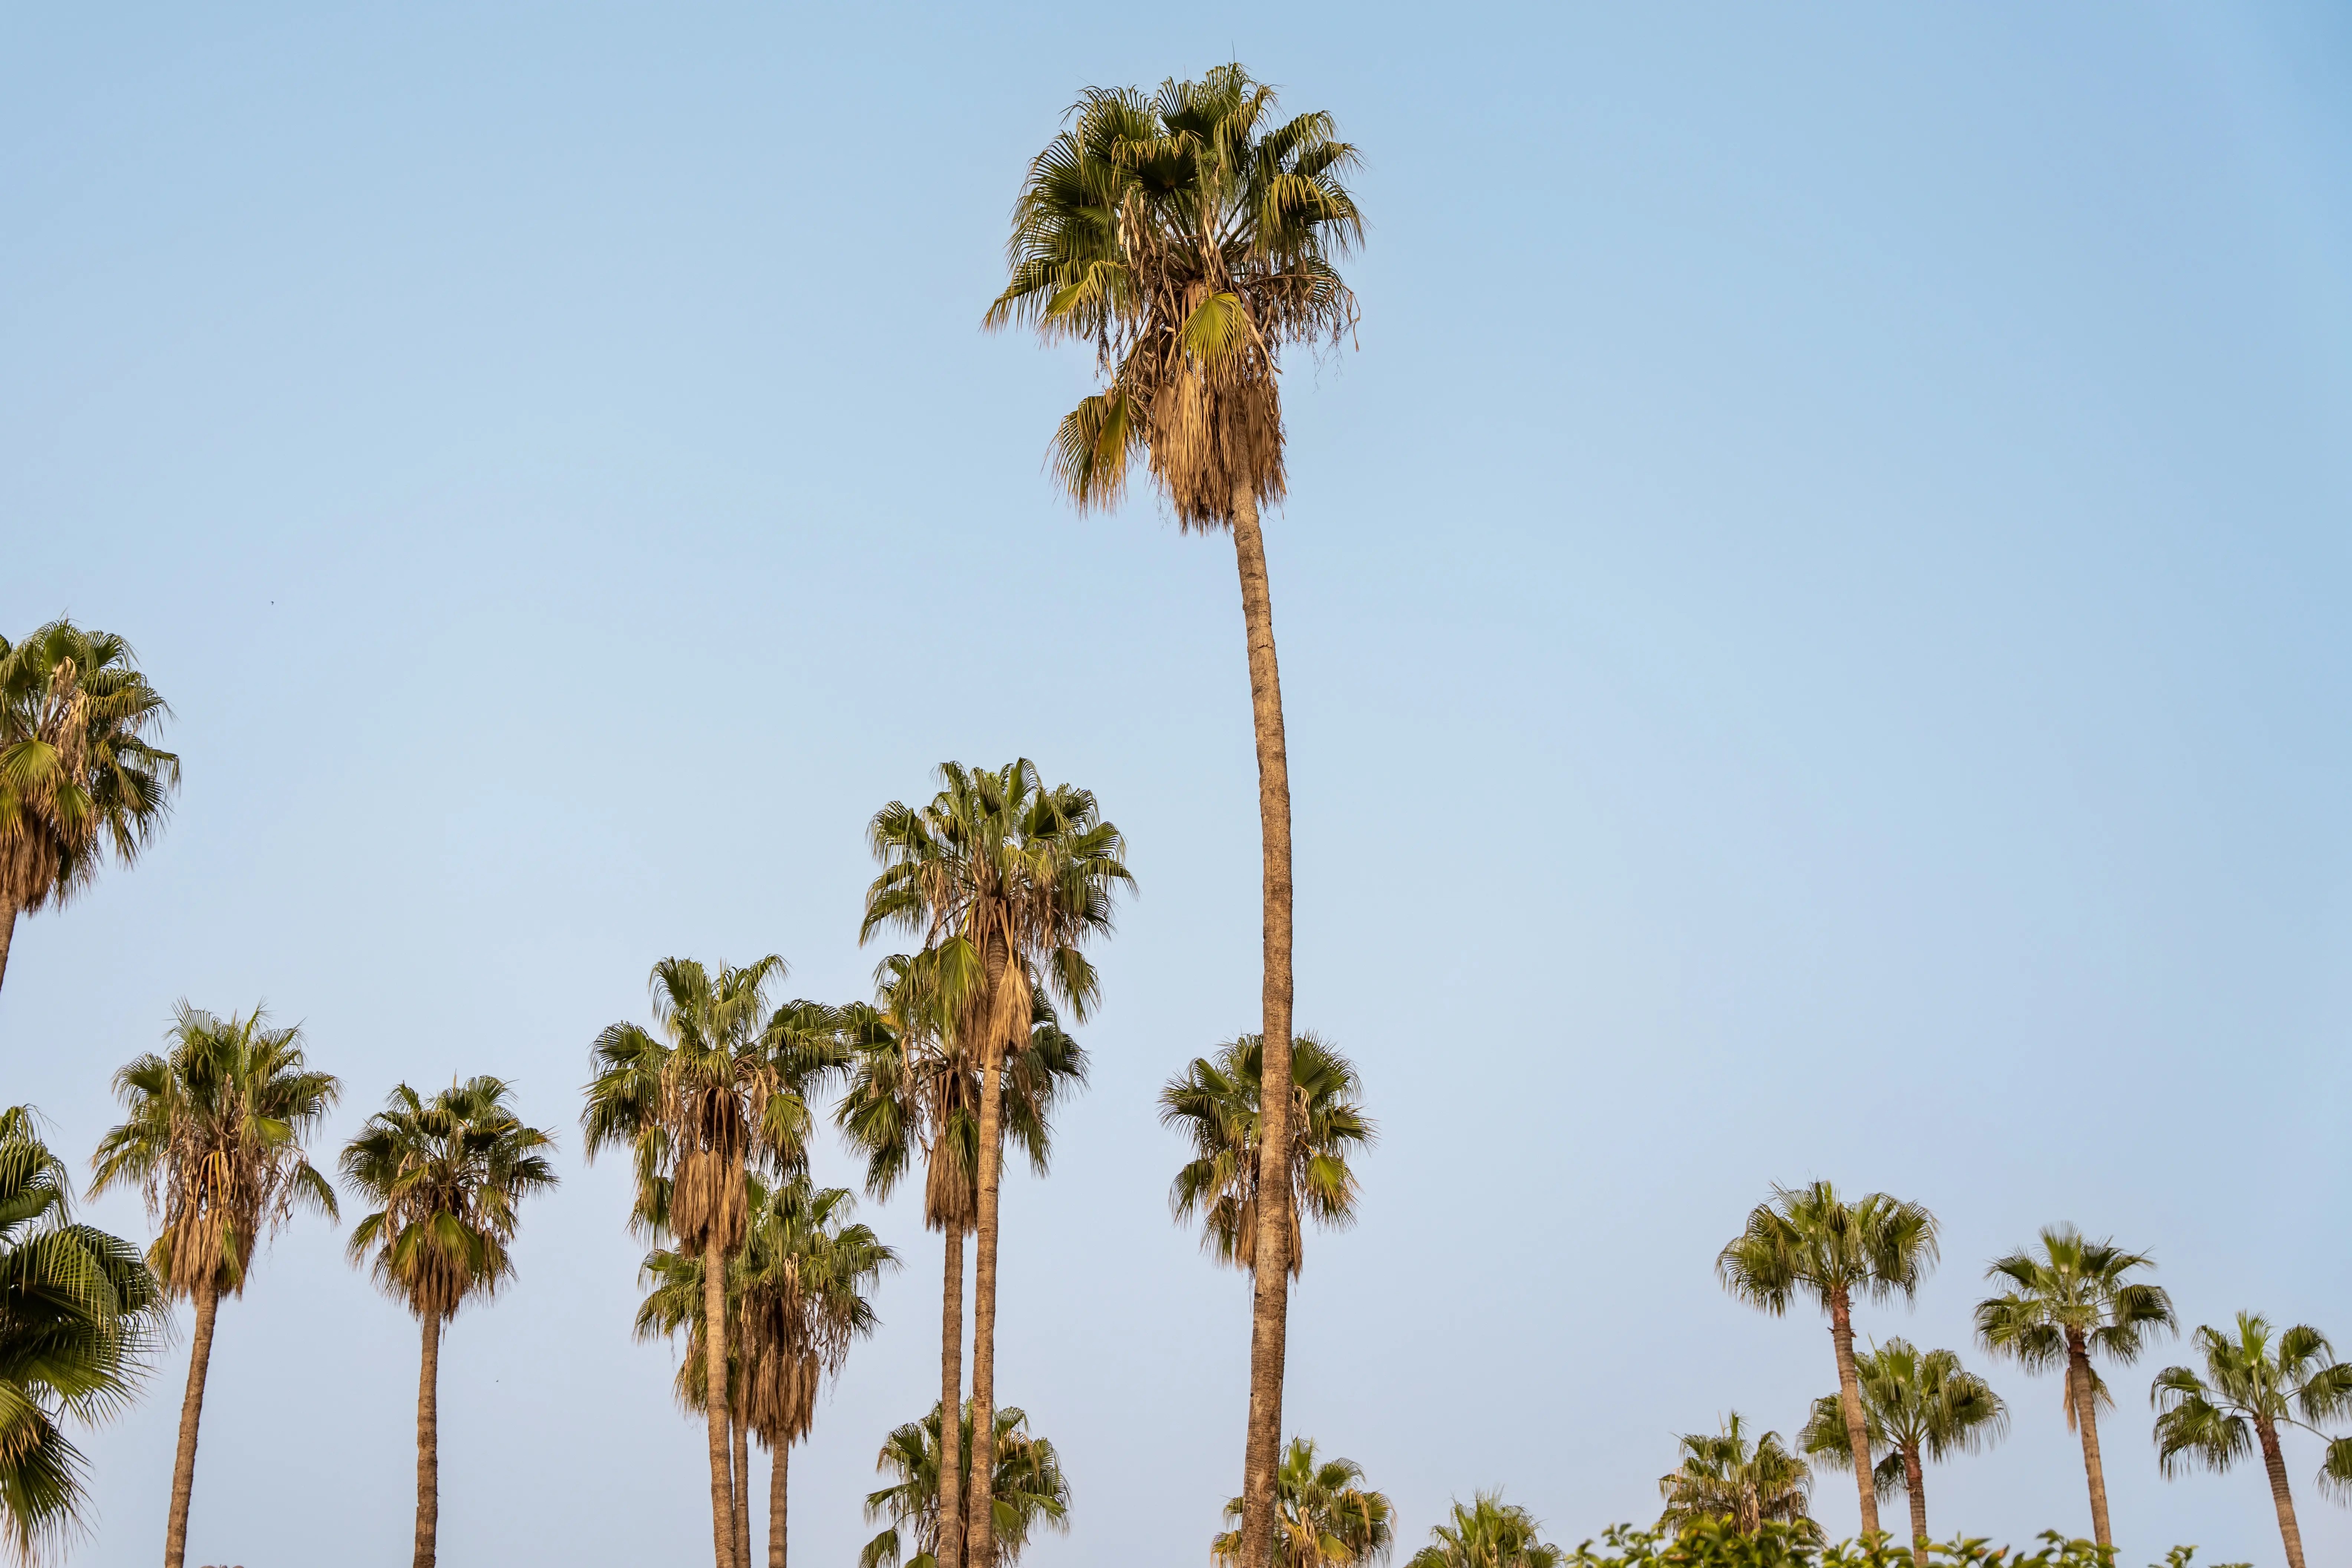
<point>1814,632</point>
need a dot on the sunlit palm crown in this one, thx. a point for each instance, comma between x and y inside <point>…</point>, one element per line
<point>1724,1477</point>
<point>446,1175</point>
<point>1809,1240</point>
<point>2073,1290</point>
<point>1324,1514</point>
<point>1488,1533</point>
<point>2254,1375</point>
<point>1030,1490</point>
<point>1188,235</point>
<point>801,1292</point>
<point>215,1142</point>
<point>1911,1398</point>
<point>79,770</point>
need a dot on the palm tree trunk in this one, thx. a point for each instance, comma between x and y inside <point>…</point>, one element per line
<point>428,1444</point>
<point>743,1492</point>
<point>1857,1435</point>
<point>2281,1498</point>
<point>2086,1418</point>
<point>7,931</point>
<point>950,1552</point>
<point>192,1409</point>
<point>1915,1481</point>
<point>981,1548</point>
<point>1270,1299</point>
<point>714,1403</point>
<point>780,1462</point>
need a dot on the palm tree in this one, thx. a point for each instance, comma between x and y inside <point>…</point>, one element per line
<point>2252,1380</point>
<point>1215,1101</point>
<point>1917,1406</point>
<point>79,1314</point>
<point>1490,1533</point>
<point>1188,237</point>
<point>446,1176</point>
<point>79,772</point>
<point>1723,1476</point>
<point>214,1140</point>
<point>1030,1490</point>
<point>2073,1299</point>
<point>914,1090</point>
<point>1807,1240</point>
<point>802,1292</point>
<point>1326,1517</point>
<point>721,1088</point>
<point>1002,879</point>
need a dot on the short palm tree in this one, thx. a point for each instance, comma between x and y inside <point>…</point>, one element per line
<point>2071,1300</point>
<point>914,1092</point>
<point>214,1140</point>
<point>446,1176</point>
<point>1489,1533</point>
<point>1722,1476</point>
<point>1809,1241</point>
<point>79,1314</point>
<point>1005,880</point>
<point>1188,237</point>
<point>1325,1516</point>
<point>1916,1405</point>
<point>1215,1102</point>
<point>1030,1490</point>
<point>79,772</point>
<point>721,1087</point>
<point>2258,1380</point>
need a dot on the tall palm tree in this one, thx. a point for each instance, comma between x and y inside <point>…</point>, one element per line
<point>1003,879</point>
<point>2254,1380</point>
<point>79,1315</point>
<point>803,1285</point>
<point>214,1140</point>
<point>1189,237</point>
<point>1030,1490</point>
<point>1808,1240</point>
<point>80,773</point>
<point>915,1091</point>
<point>1326,1517</point>
<point>446,1176</point>
<point>1722,1476</point>
<point>1917,1406</point>
<point>1489,1533</point>
<point>721,1088</point>
<point>2073,1299</point>
<point>1215,1103</point>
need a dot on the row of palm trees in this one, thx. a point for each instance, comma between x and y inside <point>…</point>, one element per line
<point>2065,1304</point>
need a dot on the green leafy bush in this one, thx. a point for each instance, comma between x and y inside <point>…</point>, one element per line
<point>1712,1544</point>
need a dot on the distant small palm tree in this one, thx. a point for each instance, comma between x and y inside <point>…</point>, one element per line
<point>1809,1241</point>
<point>1489,1533</point>
<point>446,1176</point>
<point>1215,1102</point>
<point>79,772</point>
<point>1917,1406</point>
<point>1030,1493</point>
<point>1723,1476</point>
<point>214,1140</point>
<point>1325,1516</point>
<point>79,1315</point>
<point>2072,1300</point>
<point>2254,1380</point>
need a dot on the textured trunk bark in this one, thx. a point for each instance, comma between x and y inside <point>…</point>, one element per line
<point>192,1410</point>
<point>950,1552</point>
<point>1857,1434</point>
<point>743,1492</point>
<point>979,1550</point>
<point>2281,1498</point>
<point>779,1475</point>
<point>2086,1419</point>
<point>714,1367</point>
<point>1915,1481</point>
<point>429,1445</point>
<point>7,931</point>
<point>1270,1299</point>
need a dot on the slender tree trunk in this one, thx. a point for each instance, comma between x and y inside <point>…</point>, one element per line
<point>7,931</point>
<point>428,1444</point>
<point>2281,1498</point>
<point>2087,1418</point>
<point>1915,1481</point>
<point>980,1551</point>
<point>714,1367</point>
<point>192,1410</point>
<point>1857,1434</point>
<point>780,1466</point>
<point>950,1552</point>
<point>1270,1299</point>
<point>743,1492</point>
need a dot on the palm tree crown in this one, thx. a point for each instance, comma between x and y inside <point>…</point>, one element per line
<point>803,1293</point>
<point>1324,1514</point>
<point>1030,1492</point>
<point>1489,1533</point>
<point>1917,1406</point>
<point>1724,1477</point>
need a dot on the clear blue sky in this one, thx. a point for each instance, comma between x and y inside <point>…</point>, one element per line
<point>1814,630</point>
